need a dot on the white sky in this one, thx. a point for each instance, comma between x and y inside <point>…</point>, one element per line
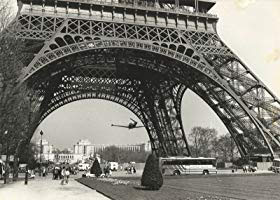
<point>249,27</point>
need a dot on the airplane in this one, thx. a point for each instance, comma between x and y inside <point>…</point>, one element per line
<point>131,125</point>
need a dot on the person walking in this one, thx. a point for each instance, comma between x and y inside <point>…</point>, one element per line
<point>44,171</point>
<point>1,170</point>
<point>134,170</point>
<point>63,175</point>
<point>67,174</point>
<point>56,173</point>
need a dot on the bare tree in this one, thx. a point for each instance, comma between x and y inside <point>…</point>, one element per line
<point>113,153</point>
<point>12,98</point>
<point>227,150</point>
<point>201,140</point>
<point>15,105</point>
<point>5,14</point>
<point>206,142</point>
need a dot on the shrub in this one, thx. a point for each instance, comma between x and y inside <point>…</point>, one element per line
<point>96,169</point>
<point>152,176</point>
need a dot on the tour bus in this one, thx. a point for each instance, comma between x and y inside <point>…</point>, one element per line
<point>187,165</point>
<point>276,166</point>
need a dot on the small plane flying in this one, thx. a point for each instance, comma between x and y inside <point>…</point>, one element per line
<point>131,125</point>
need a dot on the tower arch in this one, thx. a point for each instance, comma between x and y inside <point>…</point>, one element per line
<point>150,63</point>
<point>122,75</point>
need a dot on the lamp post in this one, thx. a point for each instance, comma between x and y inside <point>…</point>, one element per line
<point>6,164</point>
<point>26,167</point>
<point>41,151</point>
<point>27,139</point>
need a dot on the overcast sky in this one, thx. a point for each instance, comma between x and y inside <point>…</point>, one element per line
<point>249,27</point>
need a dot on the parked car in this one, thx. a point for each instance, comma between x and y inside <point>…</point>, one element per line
<point>113,166</point>
<point>83,166</point>
<point>252,168</point>
<point>249,168</point>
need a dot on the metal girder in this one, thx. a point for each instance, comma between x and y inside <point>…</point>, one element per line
<point>253,92</point>
<point>108,75</point>
<point>147,66</point>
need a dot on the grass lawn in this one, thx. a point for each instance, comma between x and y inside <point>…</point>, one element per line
<point>131,190</point>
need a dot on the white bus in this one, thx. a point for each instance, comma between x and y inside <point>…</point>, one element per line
<point>276,166</point>
<point>187,165</point>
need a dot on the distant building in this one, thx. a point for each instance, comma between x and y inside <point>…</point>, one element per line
<point>86,148</point>
<point>81,147</point>
<point>46,147</point>
<point>47,150</point>
<point>146,147</point>
<point>70,150</point>
<point>82,150</point>
<point>68,158</point>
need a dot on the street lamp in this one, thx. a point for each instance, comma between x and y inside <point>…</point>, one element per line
<point>6,164</point>
<point>26,167</point>
<point>41,151</point>
<point>29,95</point>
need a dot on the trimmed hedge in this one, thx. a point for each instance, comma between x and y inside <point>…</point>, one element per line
<point>152,177</point>
<point>96,169</point>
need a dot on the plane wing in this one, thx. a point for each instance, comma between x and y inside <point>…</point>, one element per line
<point>119,126</point>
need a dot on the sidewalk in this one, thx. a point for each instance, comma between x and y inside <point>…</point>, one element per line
<point>44,188</point>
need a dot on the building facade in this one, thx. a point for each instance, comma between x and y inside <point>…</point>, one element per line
<point>46,147</point>
<point>69,158</point>
<point>83,150</point>
<point>86,148</point>
<point>46,151</point>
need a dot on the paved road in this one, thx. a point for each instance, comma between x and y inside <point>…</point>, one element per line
<point>48,189</point>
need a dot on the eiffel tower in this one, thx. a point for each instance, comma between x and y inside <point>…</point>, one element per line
<point>144,55</point>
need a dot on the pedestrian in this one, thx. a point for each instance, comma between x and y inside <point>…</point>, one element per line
<point>1,170</point>
<point>128,170</point>
<point>63,176</point>
<point>107,170</point>
<point>44,171</point>
<point>247,168</point>
<point>67,174</point>
<point>7,171</point>
<point>55,173</point>
<point>59,172</point>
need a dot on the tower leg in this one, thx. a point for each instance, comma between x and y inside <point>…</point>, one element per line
<point>163,119</point>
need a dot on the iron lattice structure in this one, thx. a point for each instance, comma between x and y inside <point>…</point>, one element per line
<point>144,55</point>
